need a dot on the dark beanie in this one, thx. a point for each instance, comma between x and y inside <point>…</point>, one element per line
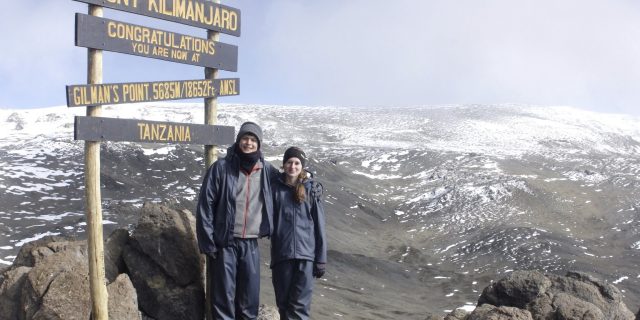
<point>252,128</point>
<point>295,152</point>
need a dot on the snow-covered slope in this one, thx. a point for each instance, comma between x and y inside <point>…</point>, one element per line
<point>433,201</point>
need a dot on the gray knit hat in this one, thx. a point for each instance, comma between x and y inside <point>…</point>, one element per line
<point>252,128</point>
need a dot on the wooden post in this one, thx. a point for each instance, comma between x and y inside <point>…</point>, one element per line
<point>211,104</point>
<point>93,206</point>
<point>210,156</point>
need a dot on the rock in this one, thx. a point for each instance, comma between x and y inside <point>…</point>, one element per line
<point>123,300</point>
<point>574,296</point>
<point>57,286</point>
<point>168,238</point>
<point>268,313</point>
<point>68,296</point>
<point>457,314</point>
<point>164,264</point>
<point>50,280</point>
<point>113,262</point>
<point>516,290</point>
<point>603,295</point>
<point>570,307</point>
<point>542,307</point>
<point>10,291</point>
<point>32,252</point>
<point>490,312</point>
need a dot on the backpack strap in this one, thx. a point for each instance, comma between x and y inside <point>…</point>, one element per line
<point>317,190</point>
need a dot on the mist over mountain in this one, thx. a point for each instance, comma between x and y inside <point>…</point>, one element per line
<point>425,205</point>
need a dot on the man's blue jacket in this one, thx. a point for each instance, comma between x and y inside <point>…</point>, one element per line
<point>215,214</point>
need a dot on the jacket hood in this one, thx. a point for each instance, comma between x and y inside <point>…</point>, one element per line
<point>231,152</point>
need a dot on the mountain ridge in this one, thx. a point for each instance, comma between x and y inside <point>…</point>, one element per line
<point>447,195</point>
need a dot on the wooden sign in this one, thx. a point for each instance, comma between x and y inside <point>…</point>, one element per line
<point>104,34</point>
<point>117,93</point>
<point>110,129</point>
<point>197,13</point>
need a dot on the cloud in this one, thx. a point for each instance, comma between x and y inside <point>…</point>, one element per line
<point>38,49</point>
<point>366,52</point>
<point>434,52</point>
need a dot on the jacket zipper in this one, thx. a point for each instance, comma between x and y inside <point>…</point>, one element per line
<point>246,205</point>
<point>295,238</point>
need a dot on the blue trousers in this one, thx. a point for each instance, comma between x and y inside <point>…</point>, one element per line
<point>235,281</point>
<point>293,286</point>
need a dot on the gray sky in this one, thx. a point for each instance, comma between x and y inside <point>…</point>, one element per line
<point>582,53</point>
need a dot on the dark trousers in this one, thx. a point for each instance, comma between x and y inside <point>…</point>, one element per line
<point>293,285</point>
<point>235,281</point>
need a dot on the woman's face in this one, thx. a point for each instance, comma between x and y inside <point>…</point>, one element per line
<point>248,143</point>
<point>292,167</point>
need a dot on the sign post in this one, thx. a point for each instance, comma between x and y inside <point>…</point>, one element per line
<point>93,206</point>
<point>111,35</point>
<point>210,156</point>
<point>118,93</point>
<point>134,130</point>
<point>197,13</point>
<point>98,34</point>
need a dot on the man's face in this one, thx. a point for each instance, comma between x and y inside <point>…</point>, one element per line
<point>248,143</point>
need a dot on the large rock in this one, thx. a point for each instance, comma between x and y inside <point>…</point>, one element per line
<point>10,291</point>
<point>156,273</point>
<point>490,312</point>
<point>123,300</point>
<point>570,307</point>
<point>168,238</point>
<point>164,264</point>
<point>113,262</point>
<point>33,252</point>
<point>604,296</point>
<point>574,296</point>
<point>57,287</point>
<point>517,290</point>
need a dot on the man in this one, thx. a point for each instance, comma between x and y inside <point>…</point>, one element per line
<point>234,210</point>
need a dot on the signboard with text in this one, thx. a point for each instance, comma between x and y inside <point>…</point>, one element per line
<point>117,93</point>
<point>105,34</point>
<point>97,34</point>
<point>133,130</point>
<point>197,13</point>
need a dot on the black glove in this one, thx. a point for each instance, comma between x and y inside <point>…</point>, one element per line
<point>318,270</point>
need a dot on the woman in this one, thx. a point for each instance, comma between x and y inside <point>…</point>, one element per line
<point>298,246</point>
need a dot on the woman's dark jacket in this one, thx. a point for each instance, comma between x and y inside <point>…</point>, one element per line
<point>298,227</point>
<point>215,214</point>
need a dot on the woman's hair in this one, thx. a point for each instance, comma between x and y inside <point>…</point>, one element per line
<point>300,192</point>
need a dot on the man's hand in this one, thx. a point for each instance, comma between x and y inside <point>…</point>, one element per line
<point>212,255</point>
<point>318,270</point>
